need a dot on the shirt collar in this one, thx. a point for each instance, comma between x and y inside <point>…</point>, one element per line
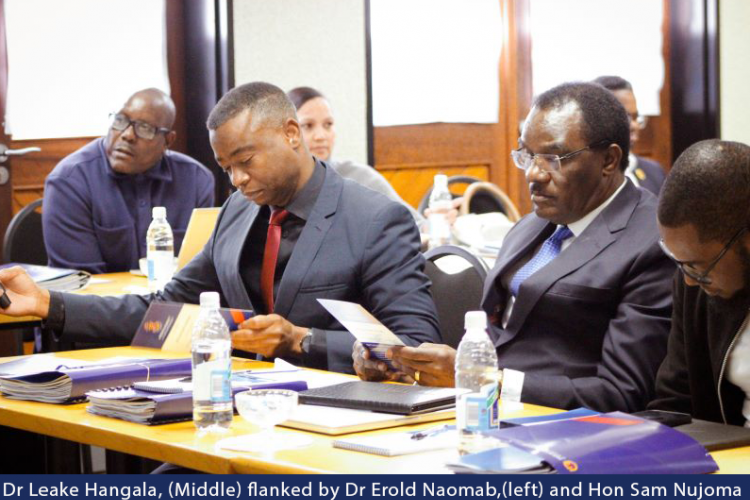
<point>581,224</point>
<point>303,202</point>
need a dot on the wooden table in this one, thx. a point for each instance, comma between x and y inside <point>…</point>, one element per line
<point>181,444</point>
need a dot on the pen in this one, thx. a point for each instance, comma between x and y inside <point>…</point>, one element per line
<point>419,435</point>
<point>4,299</point>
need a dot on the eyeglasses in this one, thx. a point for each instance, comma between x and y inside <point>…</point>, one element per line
<point>702,278</point>
<point>548,163</point>
<point>143,130</point>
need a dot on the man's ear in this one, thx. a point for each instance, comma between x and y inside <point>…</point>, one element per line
<point>293,132</point>
<point>169,138</point>
<point>612,159</point>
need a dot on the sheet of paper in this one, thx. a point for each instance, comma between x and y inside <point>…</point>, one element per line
<point>363,325</point>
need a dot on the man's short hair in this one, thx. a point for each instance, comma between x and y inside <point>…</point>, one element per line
<point>604,118</point>
<point>708,187</point>
<point>614,83</point>
<point>265,101</point>
<point>300,95</point>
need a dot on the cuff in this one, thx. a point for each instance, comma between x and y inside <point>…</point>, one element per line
<point>56,316</point>
<point>512,385</point>
<point>317,356</point>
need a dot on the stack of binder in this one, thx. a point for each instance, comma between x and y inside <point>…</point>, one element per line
<point>69,384</point>
<point>54,278</point>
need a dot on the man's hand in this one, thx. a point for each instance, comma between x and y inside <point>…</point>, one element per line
<point>26,298</point>
<point>451,214</point>
<point>434,362</point>
<point>269,335</point>
<point>370,369</point>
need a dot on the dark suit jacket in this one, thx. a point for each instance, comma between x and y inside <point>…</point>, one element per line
<point>651,175</point>
<point>357,246</point>
<point>590,328</point>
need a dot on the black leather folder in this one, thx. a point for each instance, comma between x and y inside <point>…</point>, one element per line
<point>386,398</point>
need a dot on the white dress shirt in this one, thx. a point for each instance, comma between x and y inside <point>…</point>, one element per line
<point>738,369</point>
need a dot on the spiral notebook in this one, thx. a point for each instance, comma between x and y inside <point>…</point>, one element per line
<point>386,398</point>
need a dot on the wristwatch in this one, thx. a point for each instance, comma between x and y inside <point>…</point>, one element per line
<point>304,343</point>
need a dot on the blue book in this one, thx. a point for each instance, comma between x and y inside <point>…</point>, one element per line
<point>608,443</point>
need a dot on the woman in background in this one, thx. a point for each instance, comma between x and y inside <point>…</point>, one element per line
<point>319,133</point>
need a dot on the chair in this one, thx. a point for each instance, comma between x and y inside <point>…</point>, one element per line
<point>455,293</point>
<point>484,197</point>
<point>24,240</point>
<point>452,181</point>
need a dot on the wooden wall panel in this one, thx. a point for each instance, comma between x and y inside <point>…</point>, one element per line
<point>412,182</point>
<point>409,156</point>
<point>30,171</point>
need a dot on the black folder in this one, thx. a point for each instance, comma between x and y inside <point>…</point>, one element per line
<point>714,436</point>
<point>386,398</point>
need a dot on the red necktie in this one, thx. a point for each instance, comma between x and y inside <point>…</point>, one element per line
<point>270,255</point>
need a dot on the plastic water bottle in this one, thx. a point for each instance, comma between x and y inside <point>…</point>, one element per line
<point>440,205</point>
<point>476,371</point>
<point>212,367</point>
<point>160,250</point>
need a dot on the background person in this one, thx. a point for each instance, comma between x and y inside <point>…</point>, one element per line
<point>645,173</point>
<point>98,200</point>
<point>319,132</point>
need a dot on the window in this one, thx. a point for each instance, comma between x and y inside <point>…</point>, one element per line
<point>574,40</point>
<point>435,61</point>
<point>71,63</point>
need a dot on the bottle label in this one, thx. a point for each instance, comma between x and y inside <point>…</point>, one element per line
<point>479,409</point>
<point>160,266</point>
<point>211,382</point>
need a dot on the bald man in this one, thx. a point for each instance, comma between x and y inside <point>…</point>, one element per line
<point>98,200</point>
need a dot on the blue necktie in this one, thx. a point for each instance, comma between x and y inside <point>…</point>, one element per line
<point>550,249</point>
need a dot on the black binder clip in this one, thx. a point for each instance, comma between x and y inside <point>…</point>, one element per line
<point>4,299</point>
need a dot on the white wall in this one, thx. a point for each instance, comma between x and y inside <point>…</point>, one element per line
<point>734,46</point>
<point>320,44</point>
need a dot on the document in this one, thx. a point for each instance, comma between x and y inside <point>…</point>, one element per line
<point>373,334</point>
<point>169,325</point>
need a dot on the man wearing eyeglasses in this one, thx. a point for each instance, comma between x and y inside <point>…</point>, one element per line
<point>645,173</point>
<point>579,298</point>
<point>98,200</point>
<point>703,220</point>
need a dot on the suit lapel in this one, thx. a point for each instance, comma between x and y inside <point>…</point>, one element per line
<point>309,242</point>
<point>595,238</point>
<point>247,219</point>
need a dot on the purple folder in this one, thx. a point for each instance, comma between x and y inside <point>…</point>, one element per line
<point>100,376</point>
<point>610,443</point>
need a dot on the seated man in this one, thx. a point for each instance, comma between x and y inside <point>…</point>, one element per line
<point>98,200</point>
<point>579,298</point>
<point>703,220</point>
<point>339,241</point>
<point>645,173</point>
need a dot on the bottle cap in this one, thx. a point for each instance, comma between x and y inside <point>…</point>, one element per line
<point>210,299</point>
<point>475,320</point>
<point>159,212</point>
<point>441,181</point>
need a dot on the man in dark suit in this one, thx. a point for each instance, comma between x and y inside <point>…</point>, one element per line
<point>645,173</point>
<point>579,298</point>
<point>294,231</point>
